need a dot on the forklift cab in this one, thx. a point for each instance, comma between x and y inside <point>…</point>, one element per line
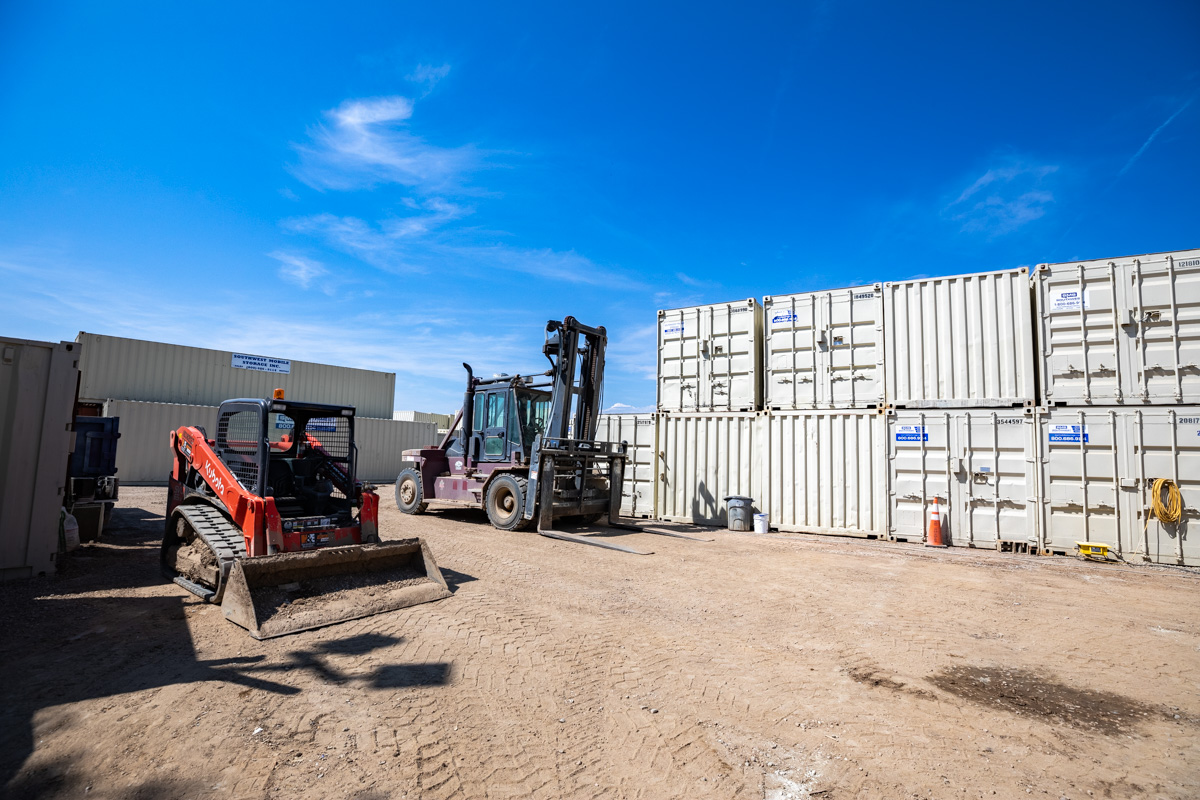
<point>505,421</point>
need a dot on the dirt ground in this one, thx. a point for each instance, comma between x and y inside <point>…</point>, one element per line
<point>780,666</point>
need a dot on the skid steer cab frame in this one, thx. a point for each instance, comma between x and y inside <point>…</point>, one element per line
<point>524,447</point>
<point>282,471</point>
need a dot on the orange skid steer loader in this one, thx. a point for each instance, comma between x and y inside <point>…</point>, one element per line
<point>268,520</point>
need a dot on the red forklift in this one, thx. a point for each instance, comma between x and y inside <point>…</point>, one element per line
<point>524,448</point>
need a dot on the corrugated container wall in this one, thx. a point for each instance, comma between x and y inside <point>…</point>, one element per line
<point>824,349</point>
<point>640,433</point>
<point>1122,331</point>
<point>825,472</point>
<point>980,464</point>
<point>132,369</point>
<point>37,408</point>
<point>144,454</point>
<point>709,357</point>
<point>706,458</point>
<point>960,341</point>
<point>1097,475</point>
<point>381,442</point>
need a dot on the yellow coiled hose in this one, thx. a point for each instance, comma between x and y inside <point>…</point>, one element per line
<point>1169,511</point>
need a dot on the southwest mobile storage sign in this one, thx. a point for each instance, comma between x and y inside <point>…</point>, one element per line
<point>279,366</point>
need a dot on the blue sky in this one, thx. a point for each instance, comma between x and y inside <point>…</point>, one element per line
<point>407,186</point>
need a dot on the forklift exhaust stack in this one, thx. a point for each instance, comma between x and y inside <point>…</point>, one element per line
<point>290,592</point>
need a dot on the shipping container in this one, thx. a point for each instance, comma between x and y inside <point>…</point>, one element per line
<point>960,341</point>
<point>1098,471</point>
<point>144,457</point>
<point>709,357</point>
<point>382,441</point>
<point>440,421</point>
<point>704,459</point>
<point>1122,331</point>
<point>37,409</point>
<point>144,454</point>
<point>980,464</point>
<point>640,433</point>
<point>113,368</point>
<point>824,349</point>
<point>825,472</point>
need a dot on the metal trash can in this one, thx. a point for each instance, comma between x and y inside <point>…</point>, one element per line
<point>740,512</point>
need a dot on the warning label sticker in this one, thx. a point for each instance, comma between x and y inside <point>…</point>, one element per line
<point>912,433</point>
<point>1068,300</point>
<point>1068,433</point>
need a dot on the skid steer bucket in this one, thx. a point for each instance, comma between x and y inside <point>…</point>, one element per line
<point>291,592</point>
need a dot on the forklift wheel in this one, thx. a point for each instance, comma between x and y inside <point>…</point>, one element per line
<point>506,502</point>
<point>410,497</point>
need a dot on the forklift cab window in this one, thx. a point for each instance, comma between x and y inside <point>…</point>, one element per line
<point>532,410</point>
<point>494,428</point>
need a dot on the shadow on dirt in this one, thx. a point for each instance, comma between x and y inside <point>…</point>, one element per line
<point>82,635</point>
<point>1038,695</point>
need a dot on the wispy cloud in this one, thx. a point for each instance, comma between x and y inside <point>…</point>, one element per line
<point>298,269</point>
<point>428,76</point>
<point>1003,199</point>
<point>365,142</point>
<point>1153,136</point>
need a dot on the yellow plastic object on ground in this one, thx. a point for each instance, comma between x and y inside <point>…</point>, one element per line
<point>1092,550</point>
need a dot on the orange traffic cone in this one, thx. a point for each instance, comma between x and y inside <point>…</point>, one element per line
<point>933,538</point>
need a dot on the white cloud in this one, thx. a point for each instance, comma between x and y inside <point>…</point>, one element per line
<point>1003,199</point>
<point>297,269</point>
<point>365,142</point>
<point>428,76</point>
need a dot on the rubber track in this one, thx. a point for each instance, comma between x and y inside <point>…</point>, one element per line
<point>221,536</point>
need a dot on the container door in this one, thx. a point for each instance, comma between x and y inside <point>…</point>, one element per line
<point>729,370</point>
<point>792,327</point>
<point>1081,491</point>
<point>1163,328</point>
<point>852,348</point>
<point>920,470</point>
<point>679,378</point>
<point>1081,333</point>
<point>996,479</point>
<point>1161,443</point>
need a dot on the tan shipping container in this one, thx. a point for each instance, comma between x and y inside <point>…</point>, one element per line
<point>960,341</point>
<point>1123,331</point>
<point>709,357</point>
<point>1097,478</point>
<point>114,368</point>
<point>37,408</point>
<point>640,433</point>
<point>704,459</point>
<point>825,472</point>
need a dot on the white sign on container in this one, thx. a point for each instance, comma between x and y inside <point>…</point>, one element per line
<point>1066,433</point>
<point>279,366</point>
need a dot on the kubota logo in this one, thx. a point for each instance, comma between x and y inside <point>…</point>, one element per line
<point>213,479</point>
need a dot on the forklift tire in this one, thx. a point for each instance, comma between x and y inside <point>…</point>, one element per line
<point>506,503</point>
<point>410,496</point>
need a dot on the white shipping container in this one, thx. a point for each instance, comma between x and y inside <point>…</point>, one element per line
<point>825,472</point>
<point>704,459</point>
<point>960,341</point>
<point>1097,474</point>
<point>132,369</point>
<point>381,442</point>
<point>981,465</point>
<point>709,357</point>
<point>1120,331</point>
<point>824,349</point>
<point>640,433</point>
<point>37,410</point>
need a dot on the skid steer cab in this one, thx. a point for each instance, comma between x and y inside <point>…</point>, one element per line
<point>524,447</point>
<point>268,519</point>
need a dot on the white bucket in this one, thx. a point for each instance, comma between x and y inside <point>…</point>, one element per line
<point>761,523</point>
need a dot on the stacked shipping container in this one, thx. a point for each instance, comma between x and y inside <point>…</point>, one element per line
<point>868,402</point>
